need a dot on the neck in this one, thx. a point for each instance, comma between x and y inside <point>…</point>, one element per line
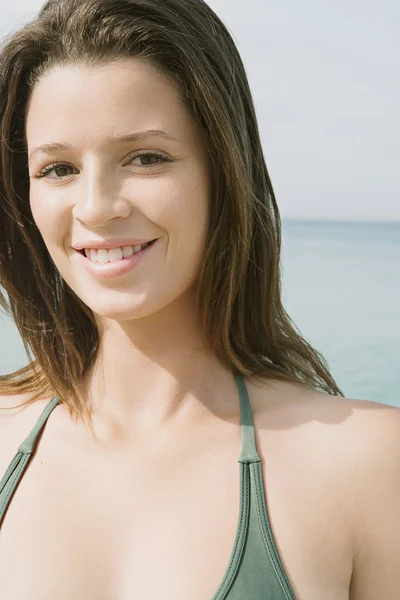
<point>153,373</point>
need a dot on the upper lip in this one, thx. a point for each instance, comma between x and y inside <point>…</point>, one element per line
<point>113,243</point>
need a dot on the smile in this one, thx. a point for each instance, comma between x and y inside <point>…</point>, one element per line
<point>113,266</point>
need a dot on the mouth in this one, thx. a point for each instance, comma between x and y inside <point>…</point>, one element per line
<point>116,268</point>
<point>144,246</point>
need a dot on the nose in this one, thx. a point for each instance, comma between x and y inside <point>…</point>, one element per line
<point>99,200</point>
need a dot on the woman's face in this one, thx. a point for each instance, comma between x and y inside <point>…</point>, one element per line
<point>102,190</point>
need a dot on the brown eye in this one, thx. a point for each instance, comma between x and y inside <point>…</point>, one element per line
<point>60,169</point>
<point>150,155</point>
<point>56,167</point>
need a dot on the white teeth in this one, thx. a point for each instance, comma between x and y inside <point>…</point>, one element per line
<point>115,254</point>
<point>104,256</point>
<point>127,251</point>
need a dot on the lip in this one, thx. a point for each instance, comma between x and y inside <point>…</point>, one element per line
<point>113,269</point>
<point>111,243</point>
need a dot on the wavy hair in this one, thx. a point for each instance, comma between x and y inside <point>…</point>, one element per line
<point>239,291</point>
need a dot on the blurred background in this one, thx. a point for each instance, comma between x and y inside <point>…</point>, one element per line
<point>326,86</point>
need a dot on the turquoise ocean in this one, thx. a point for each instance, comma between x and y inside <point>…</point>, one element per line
<point>341,287</point>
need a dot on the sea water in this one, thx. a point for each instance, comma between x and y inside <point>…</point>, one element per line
<point>341,287</point>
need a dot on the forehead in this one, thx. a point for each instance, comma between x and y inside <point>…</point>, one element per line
<point>105,100</point>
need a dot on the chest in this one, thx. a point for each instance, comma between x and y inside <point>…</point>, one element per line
<point>125,528</point>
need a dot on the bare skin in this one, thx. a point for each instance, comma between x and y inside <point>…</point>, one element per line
<point>157,518</point>
<point>152,511</point>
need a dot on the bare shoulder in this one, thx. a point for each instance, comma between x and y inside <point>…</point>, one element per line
<point>11,413</point>
<point>359,437</point>
<point>364,427</point>
<point>352,447</point>
<point>15,425</point>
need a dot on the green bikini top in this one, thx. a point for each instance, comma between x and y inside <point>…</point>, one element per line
<point>255,570</point>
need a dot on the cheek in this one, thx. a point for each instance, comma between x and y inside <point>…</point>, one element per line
<point>184,207</point>
<point>186,225</point>
<point>37,208</point>
<point>187,235</point>
<point>51,221</point>
<point>179,209</point>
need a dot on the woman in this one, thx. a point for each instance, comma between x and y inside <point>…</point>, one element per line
<point>140,256</point>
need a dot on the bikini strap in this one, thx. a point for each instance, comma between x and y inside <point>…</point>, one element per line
<point>249,447</point>
<point>28,445</point>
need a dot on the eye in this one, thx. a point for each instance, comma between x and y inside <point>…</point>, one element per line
<point>57,167</point>
<point>146,155</point>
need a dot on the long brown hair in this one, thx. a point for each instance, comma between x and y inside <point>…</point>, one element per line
<point>239,291</point>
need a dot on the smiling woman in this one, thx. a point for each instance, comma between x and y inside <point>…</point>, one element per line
<point>140,260</point>
<point>103,189</point>
<point>122,145</point>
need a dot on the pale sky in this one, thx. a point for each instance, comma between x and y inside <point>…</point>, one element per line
<point>325,79</point>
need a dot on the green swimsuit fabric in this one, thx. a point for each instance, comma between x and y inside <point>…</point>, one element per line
<point>255,570</point>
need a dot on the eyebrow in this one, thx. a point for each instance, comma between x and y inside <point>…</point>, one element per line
<point>137,136</point>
